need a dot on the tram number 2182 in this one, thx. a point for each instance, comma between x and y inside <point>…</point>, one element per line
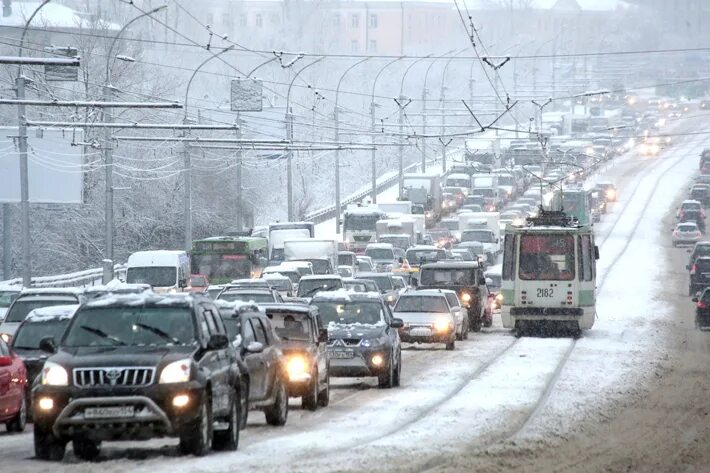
<point>545,292</point>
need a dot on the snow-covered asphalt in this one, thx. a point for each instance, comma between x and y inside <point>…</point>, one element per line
<point>493,392</point>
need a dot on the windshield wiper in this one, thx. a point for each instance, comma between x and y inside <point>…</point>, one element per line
<point>158,332</point>
<point>102,334</point>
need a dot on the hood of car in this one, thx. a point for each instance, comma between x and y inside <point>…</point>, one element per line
<point>120,356</point>
<point>350,331</point>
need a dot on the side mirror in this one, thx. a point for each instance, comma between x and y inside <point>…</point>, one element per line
<point>47,344</point>
<point>5,361</point>
<point>414,282</point>
<point>323,335</point>
<point>489,281</point>
<point>182,283</point>
<point>596,252</point>
<point>401,260</point>
<point>255,347</point>
<point>694,299</point>
<point>217,341</point>
<point>397,323</point>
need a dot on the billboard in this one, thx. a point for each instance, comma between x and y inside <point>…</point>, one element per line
<point>246,95</point>
<point>55,166</point>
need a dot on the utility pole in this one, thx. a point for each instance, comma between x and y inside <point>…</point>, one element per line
<point>401,103</point>
<point>373,159</point>
<point>240,210</point>
<point>108,177</point>
<point>289,158</point>
<point>443,129</point>
<point>424,127</point>
<point>187,195</point>
<point>337,171</point>
<point>24,184</point>
<point>6,241</point>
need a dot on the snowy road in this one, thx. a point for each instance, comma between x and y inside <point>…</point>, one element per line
<point>496,401</point>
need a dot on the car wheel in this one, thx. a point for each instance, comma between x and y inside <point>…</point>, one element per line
<point>451,345</point>
<point>17,424</point>
<point>385,380</point>
<point>197,439</point>
<point>310,401</point>
<point>398,372</point>
<point>47,445</point>
<point>476,324</point>
<point>324,395</point>
<point>243,404</point>
<point>86,449</point>
<point>466,329</point>
<point>229,439</point>
<point>278,413</point>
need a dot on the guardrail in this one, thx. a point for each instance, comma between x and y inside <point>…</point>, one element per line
<point>89,277</point>
<point>327,213</point>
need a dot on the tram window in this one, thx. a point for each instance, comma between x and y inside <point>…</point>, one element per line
<point>508,258</point>
<point>585,261</point>
<point>547,257</point>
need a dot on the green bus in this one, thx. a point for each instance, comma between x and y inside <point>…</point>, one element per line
<point>225,258</point>
<point>575,203</point>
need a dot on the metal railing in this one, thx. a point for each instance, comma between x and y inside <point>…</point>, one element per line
<point>89,277</point>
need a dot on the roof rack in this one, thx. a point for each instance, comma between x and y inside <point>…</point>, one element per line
<point>556,218</point>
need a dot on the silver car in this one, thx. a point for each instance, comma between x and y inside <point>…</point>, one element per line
<point>427,318</point>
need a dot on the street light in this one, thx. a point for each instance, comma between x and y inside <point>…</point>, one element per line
<point>289,138</point>
<point>424,95</point>
<point>337,151</point>
<point>187,198</point>
<point>372,127</point>
<point>107,150</point>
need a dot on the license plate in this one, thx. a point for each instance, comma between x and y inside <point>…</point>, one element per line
<point>420,332</point>
<point>108,412</point>
<point>343,354</point>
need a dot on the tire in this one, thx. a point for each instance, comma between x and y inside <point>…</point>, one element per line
<point>466,328</point>
<point>310,402</point>
<point>229,439</point>
<point>398,372</point>
<point>476,324</point>
<point>243,404</point>
<point>278,413</point>
<point>459,336</point>
<point>197,439</point>
<point>386,380</point>
<point>324,394</point>
<point>451,345</point>
<point>47,446</point>
<point>17,424</point>
<point>488,322</point>
<point>86,449</point>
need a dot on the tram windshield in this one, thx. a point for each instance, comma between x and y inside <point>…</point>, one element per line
<point>547,257</point>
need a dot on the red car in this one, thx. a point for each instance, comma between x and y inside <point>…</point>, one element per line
<point>198,283</point>
<point>13,382</point>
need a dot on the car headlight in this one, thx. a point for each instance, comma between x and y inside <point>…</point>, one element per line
<point>6,337</point>
<point>297,368</point>
<point>54,375</point>
<point>391,298</point>
<point>465,297</point>
<point>176,372</point>
<point>442,325</point>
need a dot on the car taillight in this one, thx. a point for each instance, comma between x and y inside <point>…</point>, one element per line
<point>694,268</point>
<point>702,305</point>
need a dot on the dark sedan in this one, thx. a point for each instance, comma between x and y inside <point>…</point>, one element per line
<point>702,309</point>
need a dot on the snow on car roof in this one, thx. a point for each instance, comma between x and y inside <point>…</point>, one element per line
<point>315,277</point>
<point>458,176</point>
<point>386,246</point>
<point>274,276</point>
<point>146,298</point>
<point>52,291</point>
<point>115,285</point>
<point>46,314</point>
<point>10,288</point>
<point>424,293</point>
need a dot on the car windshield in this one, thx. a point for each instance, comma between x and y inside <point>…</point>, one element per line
<point>547,257</point>
<point>687,228</point>
<point>484,192</point>
<point>364,266</point>
<point>361,221</point>
<point>355,286</point>
<point>398,283</point>
<point>21,308</point>
<point>6,298</point>
<point>258,297</point>
<point>484,236</point>
<point>450,224</point>
<point>448,277</point>
<point>291,326</point>
<point>281,284</point>
<point>350,312</point>
<point>380,253</point>
<point>691,205</point>
<point>421,304</point>
<point>156,276</point>
<point>29,335</point>
<point>346,260</point>
<point>420,256</point>
<point>131,326</point>
<point>309,287</point>
<point>384,283</point>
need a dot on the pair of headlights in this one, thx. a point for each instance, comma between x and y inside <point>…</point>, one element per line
<point>179,371</point>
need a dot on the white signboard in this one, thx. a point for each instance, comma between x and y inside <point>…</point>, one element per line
<point>55,167</point>
<point>246,95</point>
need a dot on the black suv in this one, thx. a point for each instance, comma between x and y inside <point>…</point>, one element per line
<point>701,248</point>
<point>467,279</point>
<point>363,337</point>
<point>135,367</point>
<point>303,342</point>
<point>699,275</point>
<point>702,309</point>
<point>253,335</point>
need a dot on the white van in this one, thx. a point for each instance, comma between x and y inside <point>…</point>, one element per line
<point>164,270</point>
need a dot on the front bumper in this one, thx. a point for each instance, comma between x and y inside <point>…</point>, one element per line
<point>360,364</point>
<point>153,414</point>
<point>420,335</point>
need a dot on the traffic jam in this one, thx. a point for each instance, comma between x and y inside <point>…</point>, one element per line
<point>192,345</point>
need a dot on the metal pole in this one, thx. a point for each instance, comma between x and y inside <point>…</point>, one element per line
<point>240,210</point>
<point>108,178</point>
<point>400,148</point>
<point>337,151</point>
<point>6,241</point>
<point>372,127</point>
<point>187,196</point>
<point>24,187</point>
<point>424,107</point>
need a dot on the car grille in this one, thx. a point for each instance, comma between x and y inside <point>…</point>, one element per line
<point>362,237</point>
<point>346,342</point>
<point>122,376</point>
